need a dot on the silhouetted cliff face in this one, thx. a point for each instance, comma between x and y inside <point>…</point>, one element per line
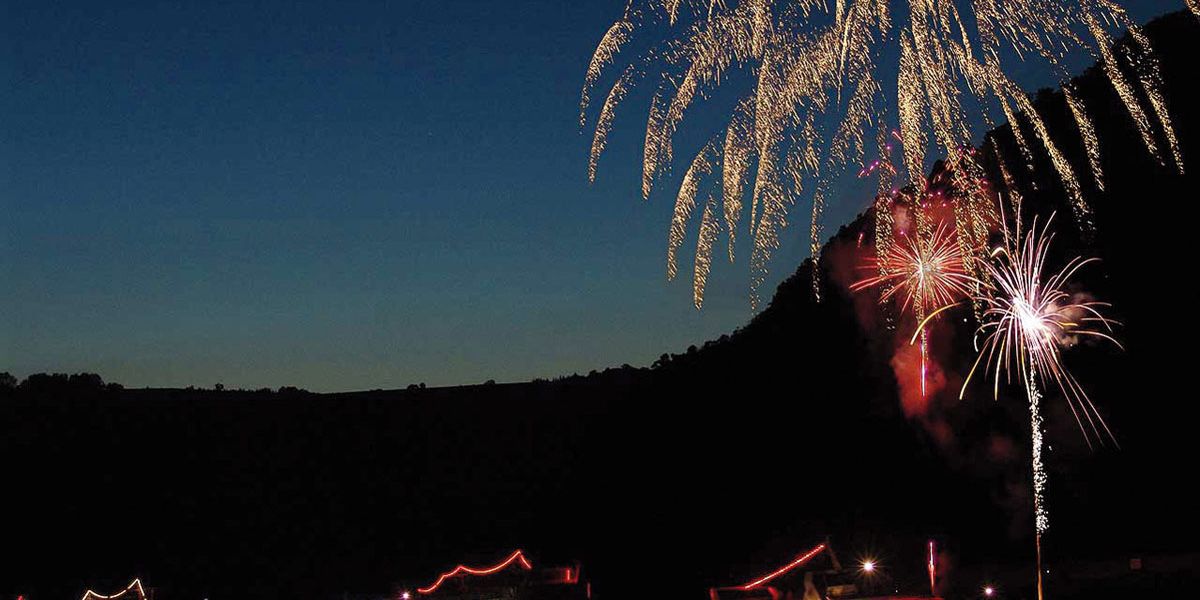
<point>699,471</point>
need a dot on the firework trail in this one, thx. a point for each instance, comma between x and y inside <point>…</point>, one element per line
<point>1087,131</point>
<point>931,566</point>
<point>816,85</point>
<point>709,228</point>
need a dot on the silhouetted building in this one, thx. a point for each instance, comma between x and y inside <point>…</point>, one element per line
<point>514,578</point>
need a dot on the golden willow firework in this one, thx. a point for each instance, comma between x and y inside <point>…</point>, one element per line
<point>815,87</point>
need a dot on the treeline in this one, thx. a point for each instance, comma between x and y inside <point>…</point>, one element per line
<point>88,385</point>
<point>56,384</point>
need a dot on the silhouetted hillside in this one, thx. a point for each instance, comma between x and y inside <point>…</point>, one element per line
<point>665,480</point>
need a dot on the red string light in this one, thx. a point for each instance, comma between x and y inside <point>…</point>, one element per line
<point>803,558</point>
<point>517,557</point>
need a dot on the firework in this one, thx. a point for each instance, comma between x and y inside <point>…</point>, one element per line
<point>922,273</point>
<point>1029,318</point>
<point>816,85</point>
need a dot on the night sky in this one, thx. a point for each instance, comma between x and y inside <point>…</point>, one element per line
<point>335,195</point>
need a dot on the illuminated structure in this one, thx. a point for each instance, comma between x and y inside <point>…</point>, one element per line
<point>131,591</point>
<point>513,578</point>
<point>815,574</point>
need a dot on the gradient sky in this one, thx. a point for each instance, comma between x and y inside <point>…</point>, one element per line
<point>334,195</point>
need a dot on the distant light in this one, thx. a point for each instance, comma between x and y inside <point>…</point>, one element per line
<point>868,566</point>
<point>989,591</point>
<point>405,596</point>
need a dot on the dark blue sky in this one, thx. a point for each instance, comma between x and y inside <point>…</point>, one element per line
<point>334,195</point>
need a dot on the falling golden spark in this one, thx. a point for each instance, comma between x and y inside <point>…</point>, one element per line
<point>814,242</point>
<point>1087,131</point>
<point>605,52</point>
<point>685,203</point>
<point>709,228</point>
<point>1150,76</point>
<point>738,150</point>
<point>1126,92</point>
<point>813,66</point>
<point>605,120</point>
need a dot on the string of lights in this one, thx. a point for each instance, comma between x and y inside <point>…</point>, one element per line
<point>803,558</point>
<point>134,586</point>
<point>516,557</point>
